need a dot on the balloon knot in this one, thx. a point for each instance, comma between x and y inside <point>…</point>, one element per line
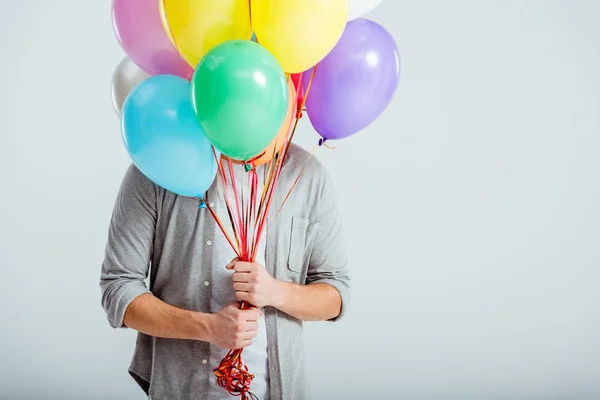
<point>322,141</point>
<point>247,167</point>
<point>202,204</point>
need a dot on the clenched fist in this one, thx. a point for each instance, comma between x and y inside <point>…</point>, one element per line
<point>252,283</point>
<point>232,328</point>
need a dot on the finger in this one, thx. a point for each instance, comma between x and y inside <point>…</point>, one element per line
<point>242,287</point>
<point>252,311</point>
<point>258,310</point>
<point>244,277</point>
<point>243,296</point>
<point>230,310</point>
<point>249,335</point>
<point>251,315</point>
<point>258,313</point>
<point>251,326</point>
<point>245,267</point>
<point>245,343</point>
<point>232,263</point>
<point>233,309</point>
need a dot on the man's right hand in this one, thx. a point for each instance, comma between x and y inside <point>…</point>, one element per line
<point>232,328</point>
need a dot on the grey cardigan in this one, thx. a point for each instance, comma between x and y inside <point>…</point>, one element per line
<point>156,233</point>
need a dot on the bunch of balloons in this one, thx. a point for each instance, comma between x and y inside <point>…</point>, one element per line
<point>210,77</point>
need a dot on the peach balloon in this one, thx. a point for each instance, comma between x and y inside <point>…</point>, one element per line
<point>277,143</point>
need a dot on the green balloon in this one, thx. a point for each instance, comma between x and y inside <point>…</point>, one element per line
<point>240,95</point>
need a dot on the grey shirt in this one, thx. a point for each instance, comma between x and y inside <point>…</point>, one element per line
<point>155,233</point>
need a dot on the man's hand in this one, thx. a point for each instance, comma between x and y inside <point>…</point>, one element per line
<point>252,283</point>
<point>232,328</point>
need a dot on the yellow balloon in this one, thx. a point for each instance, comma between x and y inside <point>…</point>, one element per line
<point>196,26</point>
<point>299,33</point>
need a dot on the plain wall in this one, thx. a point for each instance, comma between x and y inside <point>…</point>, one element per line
<point>471,207</point>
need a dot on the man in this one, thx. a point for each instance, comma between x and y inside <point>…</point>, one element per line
<point>188,317</point>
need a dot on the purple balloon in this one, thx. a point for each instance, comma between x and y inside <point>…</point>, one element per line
<point>355,82</point>
<point>140,32</point>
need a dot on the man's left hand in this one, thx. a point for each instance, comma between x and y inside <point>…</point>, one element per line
<point>252,283</point>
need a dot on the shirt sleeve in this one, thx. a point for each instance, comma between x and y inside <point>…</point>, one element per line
<point>328,261</point>
<point>129,247</point>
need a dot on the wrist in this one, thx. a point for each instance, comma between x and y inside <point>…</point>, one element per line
<point>279,290</point>
<point>202,326</point>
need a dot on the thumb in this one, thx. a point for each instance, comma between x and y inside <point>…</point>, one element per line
<point>232,263</point>
<point>232,308</point>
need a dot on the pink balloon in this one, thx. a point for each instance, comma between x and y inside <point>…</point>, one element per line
<point>140,32</point>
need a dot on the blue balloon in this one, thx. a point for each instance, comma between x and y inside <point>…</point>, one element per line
<point>164,139</point>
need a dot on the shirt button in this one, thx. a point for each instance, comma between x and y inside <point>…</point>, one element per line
<point>208,242</point>
<point>204,362</point>
<point>212,204</point>
<point>206,283</point>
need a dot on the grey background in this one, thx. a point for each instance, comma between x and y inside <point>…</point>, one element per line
<point>471,208</point>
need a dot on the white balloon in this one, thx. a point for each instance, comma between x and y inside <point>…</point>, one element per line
<point>127,75</point>
<point>358,8</point>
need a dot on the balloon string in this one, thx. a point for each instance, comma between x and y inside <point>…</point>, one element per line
<point>270,171</point>
<point>248,220</point>
<point>220,224</point>
<point>237,230</point>
<point>253,214</point>
<point>299,115</point>
<point>297,178</point>
<point>308,86</point>
<point>250,17</point>
<point>237,204</point>
<point>216,218</point>
<point>232,373</point>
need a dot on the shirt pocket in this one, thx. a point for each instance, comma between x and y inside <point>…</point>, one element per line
<point>301,237</point>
